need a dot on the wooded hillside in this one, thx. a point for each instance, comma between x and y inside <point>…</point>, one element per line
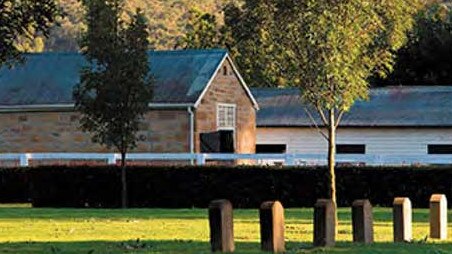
<point>167,20</point>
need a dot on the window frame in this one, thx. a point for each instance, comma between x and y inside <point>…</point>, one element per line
<point>227,105</point>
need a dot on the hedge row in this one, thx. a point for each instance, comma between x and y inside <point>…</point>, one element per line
<point>15,185</point>
<point>245,186</point>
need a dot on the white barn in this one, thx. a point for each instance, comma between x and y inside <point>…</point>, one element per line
<point>405,124</point>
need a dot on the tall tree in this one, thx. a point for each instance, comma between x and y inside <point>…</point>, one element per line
<point>202,31</point>
<point>23,19</point>
<point>115,87</point>
<point>425,59</point>
<point>251,28</point>
<point>333,47</point>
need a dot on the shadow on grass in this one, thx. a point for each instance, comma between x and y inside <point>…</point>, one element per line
<point>80,213</point>
<point>187,246</point>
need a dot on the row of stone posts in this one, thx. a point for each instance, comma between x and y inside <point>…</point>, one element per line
<point>271,215</point>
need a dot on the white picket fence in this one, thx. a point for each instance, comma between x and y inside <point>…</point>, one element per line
<point>24,159</point>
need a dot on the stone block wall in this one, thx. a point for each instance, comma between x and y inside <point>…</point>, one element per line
<point>161,131</point>
<point>227,89</point>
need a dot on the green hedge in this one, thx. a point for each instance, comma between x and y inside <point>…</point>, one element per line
<point>15,185</point>
<point>245,186</point>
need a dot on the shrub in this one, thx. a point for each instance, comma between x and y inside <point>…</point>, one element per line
<point>246,187</point>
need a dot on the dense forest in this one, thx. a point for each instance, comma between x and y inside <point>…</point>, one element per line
<point>167,21</point>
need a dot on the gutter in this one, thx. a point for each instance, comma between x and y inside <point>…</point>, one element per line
<point>192,132</point>
<point>71,107</point>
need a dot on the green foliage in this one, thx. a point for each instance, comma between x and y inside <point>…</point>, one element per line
<point>23,20</point>
<point>252,29</point>
<point>115,87</point>
<point>335,46</point>
<point>167,21</point>
<point>425,60</point>
<point>202,32</point>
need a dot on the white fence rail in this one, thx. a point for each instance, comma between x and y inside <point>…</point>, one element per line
<point>200,159</point>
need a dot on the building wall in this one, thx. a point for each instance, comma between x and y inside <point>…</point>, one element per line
<point>378,141</point>
<point>227,89</point>
<point>161,131</point>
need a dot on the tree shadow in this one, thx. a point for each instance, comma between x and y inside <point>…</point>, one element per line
<point>189,246</point>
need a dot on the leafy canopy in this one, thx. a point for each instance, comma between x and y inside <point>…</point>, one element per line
<point>203,31</point>
<point>22,20</point>
<point>333,47</point>
<point>425,59</point>
<point>116,86</point>
<point>251,29</point>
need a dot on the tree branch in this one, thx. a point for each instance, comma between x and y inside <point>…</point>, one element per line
<point>322,114</point>
<point>315,124</point>
<point>339,118</point>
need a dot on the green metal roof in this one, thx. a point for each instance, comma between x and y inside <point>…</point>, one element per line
<point>49,78</point>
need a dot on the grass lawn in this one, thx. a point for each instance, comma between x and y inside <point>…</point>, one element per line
<point>28,230</point>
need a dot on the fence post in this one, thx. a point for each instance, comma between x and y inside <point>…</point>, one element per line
<point>111,159</point>
<point>438,216</point>
<point>324,223</point>
<point>221,226</point>
<point>289,160</point>
<point>362,221</point>
<point>200,159</point>
<point>271,217</point>
<point>23,160</point>
<point>402,220</point>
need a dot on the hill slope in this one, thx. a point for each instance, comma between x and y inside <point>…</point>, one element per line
<point>167,20</point>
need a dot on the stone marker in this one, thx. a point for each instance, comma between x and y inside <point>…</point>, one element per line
<point>221,226</point>
<point>362,219</point>
<point>402,220</point>
<point>438,216</point>
<point>324,223</point>
<point>271,214</point>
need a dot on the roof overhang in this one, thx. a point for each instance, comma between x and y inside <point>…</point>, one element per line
<point>357,126</point>
<point>71,107</point>
<point>240,78</point>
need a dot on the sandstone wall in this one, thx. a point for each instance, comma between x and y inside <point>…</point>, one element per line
<point>227,89</point>
<point>161,131</point>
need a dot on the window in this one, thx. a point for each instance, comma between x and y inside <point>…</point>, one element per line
<point>226,116</point>
<point>350,149</point>
<point>439,149</point>
<point>225,70</point>
<point>271,148</point>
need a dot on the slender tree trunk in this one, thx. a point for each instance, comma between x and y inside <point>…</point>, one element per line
<point>332,160</point>
<point>123,181</point>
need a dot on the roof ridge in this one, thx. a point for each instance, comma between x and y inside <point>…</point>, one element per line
<point>175,51</point>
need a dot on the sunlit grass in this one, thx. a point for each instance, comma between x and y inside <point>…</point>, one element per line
<point>29,230</point>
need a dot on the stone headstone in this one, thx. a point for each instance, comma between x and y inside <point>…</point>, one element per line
<point>362,219</point>
<point>402,219</point>
<point>271,214</point>
<point>221,226</point>
<point>324,223</point>
<point>438,216</point>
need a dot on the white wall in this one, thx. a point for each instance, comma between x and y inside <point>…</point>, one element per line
<point>378,141</point>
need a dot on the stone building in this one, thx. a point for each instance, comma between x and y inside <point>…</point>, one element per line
<point>196,92</point>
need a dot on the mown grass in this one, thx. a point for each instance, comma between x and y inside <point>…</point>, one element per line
<point>29,230</point>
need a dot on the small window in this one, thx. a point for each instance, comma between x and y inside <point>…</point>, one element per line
<point>439,149</point>
<point>226,116</point>
<point>350,149</point>
<point>271,148</point>
<point>225,70</point>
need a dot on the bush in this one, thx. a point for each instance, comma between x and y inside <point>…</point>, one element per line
<point>14,185</point>
<point>246,187</point>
